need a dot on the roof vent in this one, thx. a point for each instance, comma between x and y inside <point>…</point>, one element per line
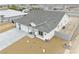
<point>32,24</point>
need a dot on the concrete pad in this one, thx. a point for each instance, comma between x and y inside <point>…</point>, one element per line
<point>10,37</point>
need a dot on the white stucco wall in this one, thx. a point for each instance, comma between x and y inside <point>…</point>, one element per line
<point>26,29</point>
<point>62,23</point>
<point>23,27</point>
<point>49,35</point>
<point>38,36</point>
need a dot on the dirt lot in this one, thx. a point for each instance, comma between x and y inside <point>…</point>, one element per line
<point>6,26</point>
<point>29,45</point>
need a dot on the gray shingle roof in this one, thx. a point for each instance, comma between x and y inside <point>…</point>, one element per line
<point>39,16</point>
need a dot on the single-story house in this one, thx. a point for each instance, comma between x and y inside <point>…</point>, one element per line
<point>42,24</point>
<point>9,14</point>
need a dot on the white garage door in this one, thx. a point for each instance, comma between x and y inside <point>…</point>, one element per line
<point>24,28</point>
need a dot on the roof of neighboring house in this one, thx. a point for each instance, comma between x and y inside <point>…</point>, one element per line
<point>11,13</point>
<point>45,20</point>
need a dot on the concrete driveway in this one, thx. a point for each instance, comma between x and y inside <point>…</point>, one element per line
<point>10,37</point>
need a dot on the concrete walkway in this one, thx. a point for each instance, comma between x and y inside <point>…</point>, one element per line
<point>10,37</point>
<point>75,44</point>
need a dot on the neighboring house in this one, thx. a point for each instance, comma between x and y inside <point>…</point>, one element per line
<point>42,24</point>
<point>9,14</point>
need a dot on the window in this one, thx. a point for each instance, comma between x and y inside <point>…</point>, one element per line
<point>40,33</point>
